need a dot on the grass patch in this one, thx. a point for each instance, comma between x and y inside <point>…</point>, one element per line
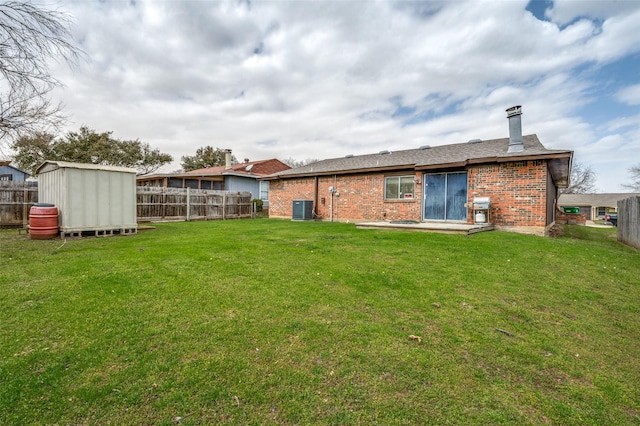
<point>279,322</point>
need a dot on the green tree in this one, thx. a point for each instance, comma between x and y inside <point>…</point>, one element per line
<point>206,157</point>
<point>151,158</point>
<point>87,146</point>
<point>634,172</point>
<point>31,151</point>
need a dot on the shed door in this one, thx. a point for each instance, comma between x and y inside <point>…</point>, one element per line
<point>445,195</point>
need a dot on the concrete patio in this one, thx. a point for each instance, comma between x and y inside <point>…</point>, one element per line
<point>438,227</point>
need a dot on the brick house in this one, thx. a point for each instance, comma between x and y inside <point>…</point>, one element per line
<point>518,174</point>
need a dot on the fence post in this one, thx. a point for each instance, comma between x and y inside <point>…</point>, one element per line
<point>224,206</point>
<point>206,205</point>
<point>164,202</point>
<point>629,221</point>
<point>25,200</point>
<point>188,204</point>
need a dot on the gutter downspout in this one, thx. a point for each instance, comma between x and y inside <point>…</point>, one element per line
<point>315,197</point>
<point>331,204</point>
<point>333,191</point>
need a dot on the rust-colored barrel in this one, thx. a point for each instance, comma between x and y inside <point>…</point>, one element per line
<point>43,221</point>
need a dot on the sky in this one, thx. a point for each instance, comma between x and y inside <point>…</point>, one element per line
<point>324,79</point>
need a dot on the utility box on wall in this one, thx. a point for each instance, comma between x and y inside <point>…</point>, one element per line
<point>302,210</point>
<point>90,197</point>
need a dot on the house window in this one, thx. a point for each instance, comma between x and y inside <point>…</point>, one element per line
<point>264,190</point>
<point>399,187</point>
<point>6,177</point>
<point>191,183</point>
<point>602,211</point>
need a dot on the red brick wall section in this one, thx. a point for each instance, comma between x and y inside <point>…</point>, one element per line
<point>518,192</point>
<point>571,218</point>
<point>283,192</point>
<point>358,198</point>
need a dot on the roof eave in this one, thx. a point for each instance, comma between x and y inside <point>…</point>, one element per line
<point>562,155</point>
<point>244,175</point>
<point>339,172</point>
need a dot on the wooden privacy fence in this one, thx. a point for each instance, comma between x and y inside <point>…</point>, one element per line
<point>156,203</point>
<point>153,204</point>
<point>629,221</point>
<point>16,198</point>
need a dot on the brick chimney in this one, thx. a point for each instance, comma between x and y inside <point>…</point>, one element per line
<point>227,159</point>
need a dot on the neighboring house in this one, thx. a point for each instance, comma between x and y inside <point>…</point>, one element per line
<point>518,174</point>
<point>594,206</point>
<point>241,177</point>
<point>10,173</point>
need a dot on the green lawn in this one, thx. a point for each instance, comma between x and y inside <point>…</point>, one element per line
<point>279,322</point>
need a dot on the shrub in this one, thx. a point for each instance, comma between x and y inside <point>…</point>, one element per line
<point>259,203</point>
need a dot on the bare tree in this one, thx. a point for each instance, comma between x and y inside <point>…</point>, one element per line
<point>634,171</point>
<point>30,37</point>
<point>290,161</point>
<point>582,180</point>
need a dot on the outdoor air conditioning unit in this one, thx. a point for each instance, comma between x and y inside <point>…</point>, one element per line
<point>302,210</point>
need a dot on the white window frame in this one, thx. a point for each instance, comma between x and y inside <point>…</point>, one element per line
<point>264,190</point>
<point>398,180</point>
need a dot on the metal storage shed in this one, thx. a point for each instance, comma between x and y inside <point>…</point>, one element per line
<point>90,197</point>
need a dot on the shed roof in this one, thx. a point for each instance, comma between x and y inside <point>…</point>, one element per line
<point>594,200</point>
<point>438,157</point>
<point>49,166</point>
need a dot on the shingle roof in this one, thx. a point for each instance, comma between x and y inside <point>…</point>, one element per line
<point>250,168</point>
<point>594,200</point>
<point>460,154</point>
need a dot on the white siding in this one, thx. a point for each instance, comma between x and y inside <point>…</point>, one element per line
<point>240,184</point>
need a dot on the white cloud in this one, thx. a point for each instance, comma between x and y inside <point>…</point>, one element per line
<point>629,95</point>
<point>323,79</point>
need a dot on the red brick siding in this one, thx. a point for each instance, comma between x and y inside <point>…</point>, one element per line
<point>283,192</point>
<point>358,198</point>
<point>571,218</point>
<point>518,192</point>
